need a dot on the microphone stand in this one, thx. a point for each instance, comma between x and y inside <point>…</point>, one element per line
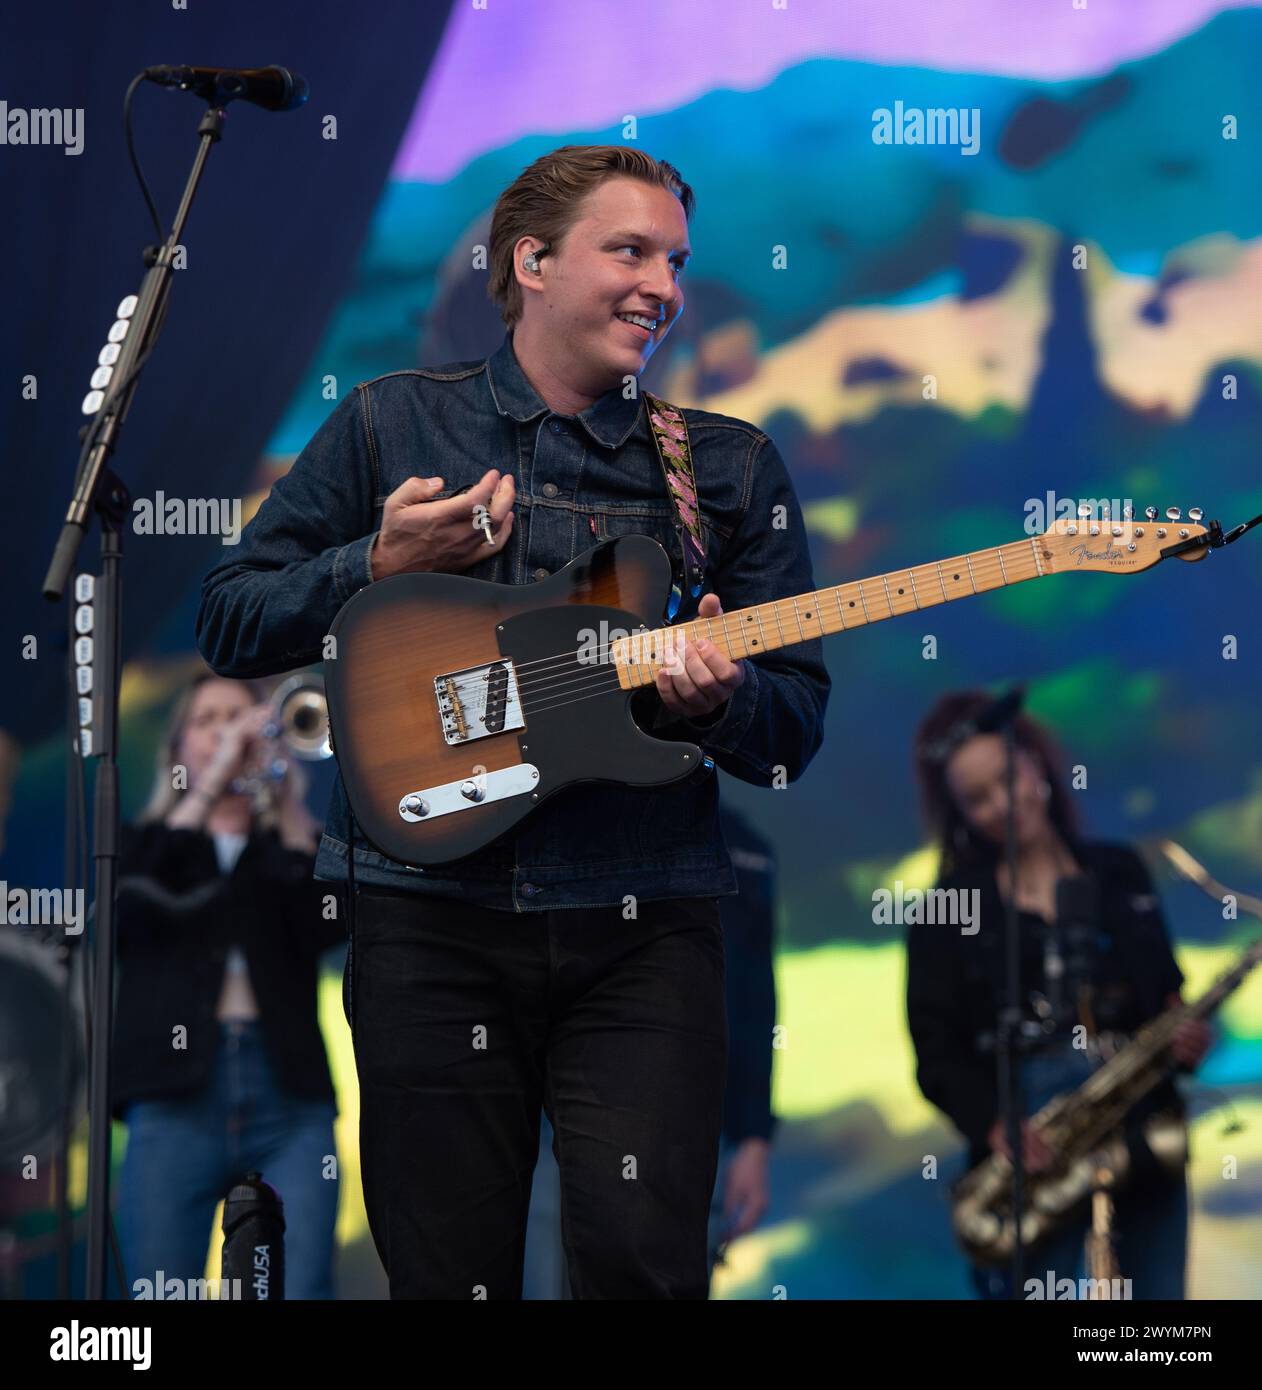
<point>70,957</point>
<point>99,490</point>
<point>1008,1033</point>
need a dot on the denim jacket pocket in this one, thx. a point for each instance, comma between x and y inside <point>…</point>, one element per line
<point>660,524</point>
<point>664,527</point>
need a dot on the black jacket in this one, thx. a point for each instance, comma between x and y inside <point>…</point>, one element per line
<point>955,984</point>
<point>177,917</point>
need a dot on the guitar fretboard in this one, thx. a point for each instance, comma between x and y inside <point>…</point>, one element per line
<point>782,622</point>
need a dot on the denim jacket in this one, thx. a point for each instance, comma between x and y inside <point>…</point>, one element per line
<point>268,605</point>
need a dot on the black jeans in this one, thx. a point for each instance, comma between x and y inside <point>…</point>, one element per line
<point>468,1020</point>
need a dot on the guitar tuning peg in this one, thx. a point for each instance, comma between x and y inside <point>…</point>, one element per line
<point>1173,513</point>
<point>1084,511</point>
<point>1195,513</point>
<point>1128,512</point>
<point>1150,513</point>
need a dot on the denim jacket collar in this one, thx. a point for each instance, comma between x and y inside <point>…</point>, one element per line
<point>609,419</point>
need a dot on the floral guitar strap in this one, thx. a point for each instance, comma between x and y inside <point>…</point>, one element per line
<point>670,434</point>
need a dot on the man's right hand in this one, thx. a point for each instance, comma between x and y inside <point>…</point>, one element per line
<point>1038,1156</point>
<point>418,534</point>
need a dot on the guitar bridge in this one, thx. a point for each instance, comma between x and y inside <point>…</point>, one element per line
<point>478,702</point>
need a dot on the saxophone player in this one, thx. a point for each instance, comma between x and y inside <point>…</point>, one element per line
<point>1105,972</point>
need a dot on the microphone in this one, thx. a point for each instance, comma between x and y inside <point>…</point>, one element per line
<point>1077,915</point>
<point>274,88</point>
<point>254,1240</point>
<point>990,719</point>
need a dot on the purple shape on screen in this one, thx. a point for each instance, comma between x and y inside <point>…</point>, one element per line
<point>511,70</point>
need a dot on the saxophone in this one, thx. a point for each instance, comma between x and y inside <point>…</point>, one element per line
<point>1082,1127</point>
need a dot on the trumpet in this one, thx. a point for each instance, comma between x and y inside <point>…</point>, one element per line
<point>300,718</point>
<point>297,726</point>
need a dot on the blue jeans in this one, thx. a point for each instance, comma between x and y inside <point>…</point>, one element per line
<point>545,1274</point>
<point>1149,1222</point>
<point>184,1154</point>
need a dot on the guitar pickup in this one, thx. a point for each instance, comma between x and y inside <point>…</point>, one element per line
<point>478,702</point>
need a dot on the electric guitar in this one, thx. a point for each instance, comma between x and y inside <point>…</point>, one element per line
<point>457,706</point>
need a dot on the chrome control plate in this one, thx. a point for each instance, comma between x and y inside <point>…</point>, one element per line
<point>428,803</point>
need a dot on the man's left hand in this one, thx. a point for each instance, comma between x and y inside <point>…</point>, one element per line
<point>697,678</point>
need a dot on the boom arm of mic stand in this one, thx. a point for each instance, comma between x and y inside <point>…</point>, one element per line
<point>96,487</point>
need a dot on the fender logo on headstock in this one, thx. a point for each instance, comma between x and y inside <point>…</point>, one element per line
<point>1110,553</point>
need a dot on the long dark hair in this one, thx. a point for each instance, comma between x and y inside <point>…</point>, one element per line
<point>947,726</point>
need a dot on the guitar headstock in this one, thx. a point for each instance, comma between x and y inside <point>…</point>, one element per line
<point>1120,545</point>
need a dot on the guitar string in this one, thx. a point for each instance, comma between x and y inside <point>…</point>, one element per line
<point>544,690</point>
<point>562,674</point>
<point>987,560</point>
<point>845,584</point>
<point>560,660</point>
<point>561,670</point>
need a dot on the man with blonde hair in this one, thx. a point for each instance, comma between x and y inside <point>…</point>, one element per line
<point>576,963</point>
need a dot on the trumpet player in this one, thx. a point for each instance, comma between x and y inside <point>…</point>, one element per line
<point>1094,973</point>
<point>219,1065</point>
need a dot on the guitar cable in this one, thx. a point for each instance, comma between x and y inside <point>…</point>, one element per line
<point>350,914</point>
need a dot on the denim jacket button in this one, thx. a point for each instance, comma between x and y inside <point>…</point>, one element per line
<point>541,573</point>
<point>550,489</point>
<point>555,426</point>
<point>528,890</point>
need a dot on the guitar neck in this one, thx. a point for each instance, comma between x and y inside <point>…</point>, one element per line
<point>783,622</point>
